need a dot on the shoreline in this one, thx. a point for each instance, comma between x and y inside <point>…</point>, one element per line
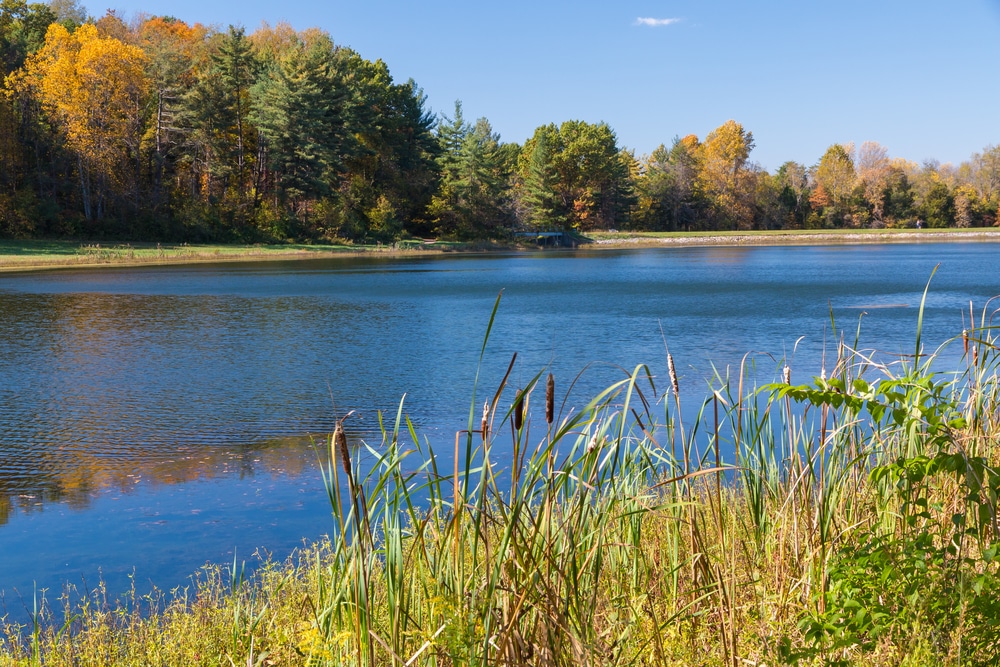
<point>803,237</point>
<point>70,255</point>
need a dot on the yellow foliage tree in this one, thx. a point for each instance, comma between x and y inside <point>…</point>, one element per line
<point>724,175</point>
<point>94,88</point>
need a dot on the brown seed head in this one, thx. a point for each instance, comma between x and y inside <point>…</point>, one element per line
<point>965,340</point>
<point>673,374</point>
<point>486,421</point>
<point>519,410</point>
<point>340,440</point>
<point>787,373</point>
<point>550,399</point>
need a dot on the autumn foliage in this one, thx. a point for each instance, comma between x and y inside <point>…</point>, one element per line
<point>159,129</point>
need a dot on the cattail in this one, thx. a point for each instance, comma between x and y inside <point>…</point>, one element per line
<point>486,421</point>
<point>787,373</point>
<point>673,374</point>
<point>340,440</point>
<point>822,373</point>
<point>519,410</point>
<point>550,400</point>
<point>592,445</point>
<point>965,340</point>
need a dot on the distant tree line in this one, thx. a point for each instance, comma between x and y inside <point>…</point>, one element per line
<point>156,129</point>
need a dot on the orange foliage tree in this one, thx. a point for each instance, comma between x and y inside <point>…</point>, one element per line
<point>93,87</point>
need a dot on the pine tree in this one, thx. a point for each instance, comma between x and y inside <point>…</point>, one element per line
<point>544,206</point>
<point>236,70</point>
<point>298,109</point>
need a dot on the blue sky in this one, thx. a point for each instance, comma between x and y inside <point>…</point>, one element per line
<point>921,78</point>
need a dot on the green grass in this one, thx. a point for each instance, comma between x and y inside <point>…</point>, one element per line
<point>856,523</point>
<point>32,254</point>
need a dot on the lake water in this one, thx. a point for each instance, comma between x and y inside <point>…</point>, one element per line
<point>157,418</point>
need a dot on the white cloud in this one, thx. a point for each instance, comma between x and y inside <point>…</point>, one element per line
<point>655,23</point>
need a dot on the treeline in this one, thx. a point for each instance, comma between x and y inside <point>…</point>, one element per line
<point>156,129</point>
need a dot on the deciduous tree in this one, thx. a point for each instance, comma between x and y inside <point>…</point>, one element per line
<point>576,176</point>
<point>838,178</point>
<point>873,172</point>
<point>94,88</point>
<point>724,175</point>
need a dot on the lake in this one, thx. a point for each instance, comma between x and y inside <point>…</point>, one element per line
<point>153,419</point>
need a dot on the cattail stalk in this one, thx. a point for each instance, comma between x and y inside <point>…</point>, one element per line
<point>485,426</point>
<point>673,374</point>
<point>519,410</point>
<point>550,399</point>
<point>340,440</point>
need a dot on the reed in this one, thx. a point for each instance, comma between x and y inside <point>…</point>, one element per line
<point>848,520</point>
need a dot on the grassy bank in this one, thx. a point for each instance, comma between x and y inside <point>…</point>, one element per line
<point>33,255</point>
<point>848,520</point>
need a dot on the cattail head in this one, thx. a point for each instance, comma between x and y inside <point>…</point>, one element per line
<point>550,399</point>
<point>340,440</point>
<point>965,340</point>
<point>593,444</point>
<point>519,410</point>
<point>673,374</point>
<point>486,421</point>
<point>787,373</point>
<point>822,373</point>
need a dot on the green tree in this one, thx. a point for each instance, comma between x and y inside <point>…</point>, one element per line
<point>299,111</point>
<point>938,206</point>
<point>172,48</point>
<point>898,197</point>
<point>22,32</point>
<point>213,115</point>
<point>391,150</point>
<point>792,181</point>
<point>236,70</point>
<point>668,194</point>
<point>575,176</point>
<point>472,197</point>
<point>542,204</point>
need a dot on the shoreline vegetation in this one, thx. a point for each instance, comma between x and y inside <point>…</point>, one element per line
<point>850,519</point>
<point>155,129</point>
<point>31,255</point>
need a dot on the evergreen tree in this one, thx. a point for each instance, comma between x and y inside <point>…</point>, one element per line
<point>236,70</point>
<point>543,206</point>
<point>391,151</point>
<point>298,110</point>
<point>471,200</point>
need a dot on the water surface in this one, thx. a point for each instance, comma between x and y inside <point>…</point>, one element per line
<point>155,418</point>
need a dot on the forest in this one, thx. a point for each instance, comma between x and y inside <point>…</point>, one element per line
<point>154,129</point>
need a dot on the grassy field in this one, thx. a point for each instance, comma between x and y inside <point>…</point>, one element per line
<point>850,520</point>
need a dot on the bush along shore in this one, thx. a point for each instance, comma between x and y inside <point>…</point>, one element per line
<point>848,520</point>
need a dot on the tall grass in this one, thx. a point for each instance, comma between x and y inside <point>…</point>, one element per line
<point>848,520</point>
